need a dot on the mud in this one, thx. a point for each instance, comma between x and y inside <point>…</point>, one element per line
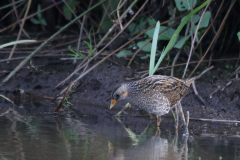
<point>95,89</point>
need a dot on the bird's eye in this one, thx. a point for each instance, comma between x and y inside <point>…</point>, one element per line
<point>117,96</point>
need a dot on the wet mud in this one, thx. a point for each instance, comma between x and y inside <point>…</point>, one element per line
<point>31,84</point>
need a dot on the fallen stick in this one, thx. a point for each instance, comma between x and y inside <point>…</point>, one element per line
<point>215,120</point>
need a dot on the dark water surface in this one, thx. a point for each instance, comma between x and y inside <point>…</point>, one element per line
<point>29,134</point>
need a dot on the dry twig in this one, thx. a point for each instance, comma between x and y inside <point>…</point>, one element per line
<point>21,29</point>
<point>30,16</point>
<point>193,40</point>
<point>215,37</point>
<point>215,120</point>
<point>80,67</point>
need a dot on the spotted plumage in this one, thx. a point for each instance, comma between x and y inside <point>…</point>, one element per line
<point>154,94</point>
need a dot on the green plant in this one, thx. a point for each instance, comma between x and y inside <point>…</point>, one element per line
<point>47,41</point>
<point>183,5</point>
<point>40,19</point>
<point>135,28</point>
<point>107,20</point>
<point>139,27</point>
<point>75,54</point>
<point>171,34</point>
<point>124,53</point>
<point>173,39</point>
<point>72,4</point>
<point>66,102</point>
<point>89,43</point>
<point>33,66</point>
<point>229,66</point>
<point>238,34</point>
<point>90,48</point>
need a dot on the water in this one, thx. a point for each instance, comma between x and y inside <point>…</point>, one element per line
<point>30,134</point>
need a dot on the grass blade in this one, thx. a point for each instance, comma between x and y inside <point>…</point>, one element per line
<point>175,35</point>
<point>154,49</point>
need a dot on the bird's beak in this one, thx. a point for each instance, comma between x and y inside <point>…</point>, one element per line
<point>113,102</point>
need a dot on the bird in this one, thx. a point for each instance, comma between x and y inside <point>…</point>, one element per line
<point>155,94</point>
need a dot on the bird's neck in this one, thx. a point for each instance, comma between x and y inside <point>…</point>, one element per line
<point>132,90</point>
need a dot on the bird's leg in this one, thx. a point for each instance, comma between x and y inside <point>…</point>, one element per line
<point>177,118</point>
<point>183,118</point>
<point>158,120</point>
<point>158,124</point>
<point>158,132</point>
<point>181,111</point>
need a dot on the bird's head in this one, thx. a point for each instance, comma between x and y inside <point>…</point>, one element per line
<point>120,92</point>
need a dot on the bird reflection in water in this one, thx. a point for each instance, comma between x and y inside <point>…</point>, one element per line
<point>151,148</point>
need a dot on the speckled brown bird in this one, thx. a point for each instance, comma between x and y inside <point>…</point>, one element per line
<point>154,94</point>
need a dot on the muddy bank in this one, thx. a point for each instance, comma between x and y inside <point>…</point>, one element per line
<point>95,88</point>
<point>223,104</point>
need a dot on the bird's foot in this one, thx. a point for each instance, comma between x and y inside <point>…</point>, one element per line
<point>186,132</point>
<point>158,121</point>
<point>158,132</point>
<point>176,128</point>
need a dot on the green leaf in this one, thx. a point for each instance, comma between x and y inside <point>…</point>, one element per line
<point>164,36</point>
<point>181,42</point>
<point>204,22</point>
<point>40,20</point>
<point>146,48</point>
<point>176,33</point>
<point>167,35</point>
<point>113,5</point>
<point>183,5</point>
<point>81,55</point>
<point>171,8</point>
<point>205,19</point>
<point>124,53</point>
<point>67,12</point>
<point>151,21</point>
<point>69,48</point>
<point>39,9</point>
<point>43,22</point>
<point>72,4</point>
<point>34,21</point>
<point>238,34</point>
<point>141,26</point>
<point>132,27</point>
<point>107,24</point>
<point>150,32</point>
<point>90,48</point>
<point>154,48</point>
<point>146,56</point>
<point>72,54</point>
